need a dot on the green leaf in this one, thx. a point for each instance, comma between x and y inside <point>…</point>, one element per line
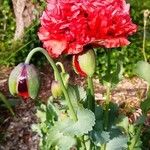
<point>113,113</point>
<point>7,104</point>
<point>99,137</point>
<point>115,132</point>
<point>64,142</point>
<point>134,142</point>
<point>117,143</point>
<point>63,132</point>
<point>98,112</point>
<point>123,122</point>
<point>141,120</point>
<point>41,113</point>
<point>77,94</point>
<point>81,93</point>
<point>85,123</point>
<point>37,128</point>
<point>143,70</point>
<point>145,105</point>
<point>99,118</point>
<point>73,96</point>
<point>52,112</point>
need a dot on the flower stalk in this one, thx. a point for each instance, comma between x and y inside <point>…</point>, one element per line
<point>108,91</point>
<point>91,99</point>
<point>43,51</point>
<point>107,107</point>
<point>146,14</point>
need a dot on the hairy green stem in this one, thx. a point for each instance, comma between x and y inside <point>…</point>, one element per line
<point>91,98</point>
<point>138,133</point>
<point>107,107</point>
<point>144,38</point>
<point>43,51</point>
<point>108,92</point>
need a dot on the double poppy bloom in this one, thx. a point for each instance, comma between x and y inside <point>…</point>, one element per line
<point>75,27</point>
<point>69,25</point>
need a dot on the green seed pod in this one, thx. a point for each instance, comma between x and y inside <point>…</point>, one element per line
<point>56,89</point>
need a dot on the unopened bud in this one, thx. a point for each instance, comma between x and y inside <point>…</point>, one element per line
<point>56,89</point>
<point>24,81</point>
<point>84,63</point>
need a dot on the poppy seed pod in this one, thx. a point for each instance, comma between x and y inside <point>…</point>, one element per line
<point>24,81</point>
<point>56,89</point>
<point>84,63</point>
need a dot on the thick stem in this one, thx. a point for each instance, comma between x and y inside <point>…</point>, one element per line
<point>108,52</point>
<point>43,51</point>
<point>91,99</point>
<point>144,38</point>
<point>108,92</point>
<point>107,107</point>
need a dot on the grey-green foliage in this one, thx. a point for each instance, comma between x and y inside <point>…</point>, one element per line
<point>114,138</point>
<point>58,131</point>
<point>143,70</point>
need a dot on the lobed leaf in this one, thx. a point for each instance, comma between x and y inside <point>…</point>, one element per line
<point>143,70</point>
<point>117,143</point>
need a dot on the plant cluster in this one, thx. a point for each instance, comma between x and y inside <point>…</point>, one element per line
<point>71,118</point>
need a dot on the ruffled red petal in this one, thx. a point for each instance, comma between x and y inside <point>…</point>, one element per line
<point>68,25</point>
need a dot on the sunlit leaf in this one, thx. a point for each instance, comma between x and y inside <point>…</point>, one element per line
<point>143,70</point>
<point>117,143</point>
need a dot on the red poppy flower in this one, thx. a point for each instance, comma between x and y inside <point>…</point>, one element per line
<point>68,25</point>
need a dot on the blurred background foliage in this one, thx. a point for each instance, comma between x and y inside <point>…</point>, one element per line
<point>13,52</point>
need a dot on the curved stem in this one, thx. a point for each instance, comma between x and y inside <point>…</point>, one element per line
<point>43,51</point>
<point>91,99</point>
<point>61,66</point>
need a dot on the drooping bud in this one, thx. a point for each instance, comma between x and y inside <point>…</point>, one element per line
<point>55,86</point>
<point>84,63</point>
<point>24,81</point>
<point>56,89</point>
